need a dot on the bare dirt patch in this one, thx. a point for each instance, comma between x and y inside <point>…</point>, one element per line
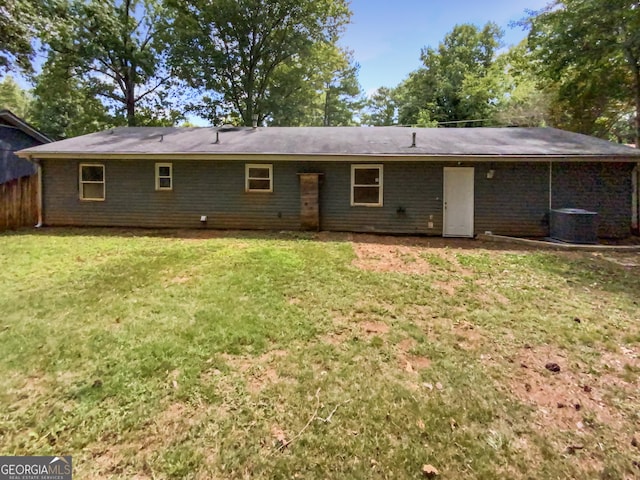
<point>626,356</point>
<point>179,280</point>
<point>336,338</point>
<point>32,386</point>
<point>410,255</point>
<point>407,361</point>
<point>294,301</point>
<point>572,399</point>
<point>258,372</point>
<point>450,287</point>
<point>405,346</point>
<point>28,391</point>
<point>374,328</point>
<point>385,258</point>
<point>469,335</point>
<point>629,261</point>
<point>112,455</point>
<point>490,295</point>
<point>577,406</point>
<point>414,363</point>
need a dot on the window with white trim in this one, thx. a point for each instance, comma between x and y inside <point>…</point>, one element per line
<point>164,176</point>
<point>259,178</point>
<point>92,184</point>
<point>366,185</point>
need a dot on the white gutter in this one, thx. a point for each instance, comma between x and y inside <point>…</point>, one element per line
<point>323,157</point>
<point>39,192</point>
<point>550,185</point>
<point>635,199</point>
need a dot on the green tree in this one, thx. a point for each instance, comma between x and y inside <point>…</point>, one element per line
<point>380,109</point>
<point>293,98</point>
<point>14,98</point>
<point>63,106</point>
<point>342,95</point>
<point>236,48</point>
<point>115,48</point>
<point>511,91</point>
<point>18,20</point>
<point>412,97</point>
<point>424,120</point>
<point>441,87</point>
<point>590,51</point>
<point>320,89</point>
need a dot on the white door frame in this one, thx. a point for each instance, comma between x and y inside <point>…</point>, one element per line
<point>464,205</point>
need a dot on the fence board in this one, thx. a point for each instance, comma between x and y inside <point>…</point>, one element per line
<point>19,203</point>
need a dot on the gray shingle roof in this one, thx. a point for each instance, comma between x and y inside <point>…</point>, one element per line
<point>12,120</point>
<point>339,141</point>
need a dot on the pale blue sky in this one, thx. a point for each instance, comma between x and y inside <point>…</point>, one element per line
<point>387,35</point>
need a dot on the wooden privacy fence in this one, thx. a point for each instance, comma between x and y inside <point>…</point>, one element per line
<point>19,203</point>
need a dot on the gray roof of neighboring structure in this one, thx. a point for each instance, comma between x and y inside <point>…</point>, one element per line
<point>16,134</point>
<point>9,119</point>
<point>333,141</point>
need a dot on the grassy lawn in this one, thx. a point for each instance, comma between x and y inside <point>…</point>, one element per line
<point>153,355</point>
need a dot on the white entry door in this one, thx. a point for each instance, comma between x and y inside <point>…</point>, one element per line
<point>458,201</point>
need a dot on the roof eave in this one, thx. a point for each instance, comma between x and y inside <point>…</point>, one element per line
<point>29,155</point>
<point>17,122</point>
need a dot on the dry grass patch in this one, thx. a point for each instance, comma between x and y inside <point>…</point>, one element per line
<point>385,258</point>
<point>258,372</point>
<point>468,335</point>
<point>132,455</point>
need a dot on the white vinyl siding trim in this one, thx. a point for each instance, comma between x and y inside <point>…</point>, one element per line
<point>164,176</point>
<point>366,185</point>
<point>258,177</point>
<point>91,182</point>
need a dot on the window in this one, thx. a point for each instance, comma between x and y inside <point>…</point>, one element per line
<point>366,185</point>
<point>164,176</point>
<point>258,178</point>
<point>92,182</point>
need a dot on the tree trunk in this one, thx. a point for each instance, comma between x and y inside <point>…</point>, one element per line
<point>247,115</point>
<point>634,62</point>
<point>250,110</point>
<point>636,92</point>
<point>131,106</point>
<point>327,113</point>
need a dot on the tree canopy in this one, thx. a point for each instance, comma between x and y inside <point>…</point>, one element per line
<point>442,87</point>
<point>14,98</point>
<point>589,51</point>
<point>236,48</point>
<point>73,110</point>
<point>115,49</point>
<point>380,109</point>
<point>19,21</point>
<point>320,89</point>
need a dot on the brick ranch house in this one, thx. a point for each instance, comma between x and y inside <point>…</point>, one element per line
<point>454,182</point>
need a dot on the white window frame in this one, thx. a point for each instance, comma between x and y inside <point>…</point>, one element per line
<point>158,176</point>
<point>363,166</point>
<point>82,182</point>
<point>247,179</point>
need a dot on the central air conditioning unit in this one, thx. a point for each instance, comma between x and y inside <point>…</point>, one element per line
<point>574,225</point>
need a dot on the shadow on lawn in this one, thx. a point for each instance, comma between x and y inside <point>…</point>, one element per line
<point>581,268</point>
<point>287,235</point>
<point>598,272</point>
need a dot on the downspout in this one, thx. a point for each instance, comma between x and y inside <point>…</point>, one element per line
<point>550,186</point>
<point>550,195</point>
<point>39,194</point>
<point>635,208</point>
